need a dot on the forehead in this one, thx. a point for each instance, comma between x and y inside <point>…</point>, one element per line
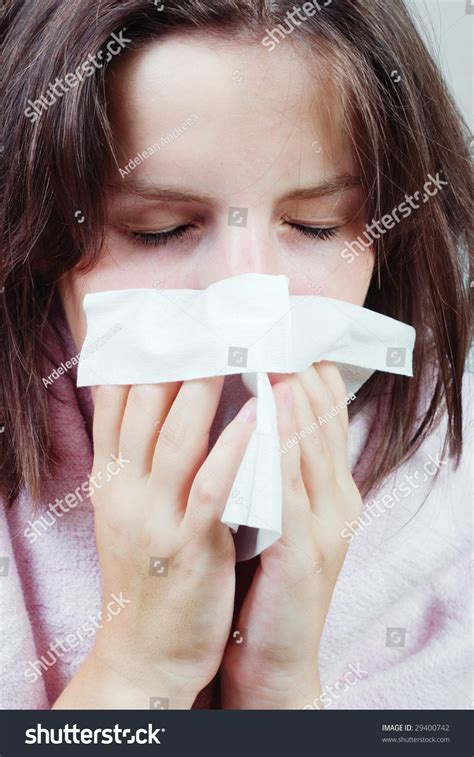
<point>259,112</point>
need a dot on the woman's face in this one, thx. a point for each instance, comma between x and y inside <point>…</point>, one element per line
<point>264,160</point>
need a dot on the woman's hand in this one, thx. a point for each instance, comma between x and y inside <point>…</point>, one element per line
<point>276,666</point>
<point>161,544</point>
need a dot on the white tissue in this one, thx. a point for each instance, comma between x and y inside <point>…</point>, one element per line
<point>246,324</point>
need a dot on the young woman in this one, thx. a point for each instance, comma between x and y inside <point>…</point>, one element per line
<point>135,134</point>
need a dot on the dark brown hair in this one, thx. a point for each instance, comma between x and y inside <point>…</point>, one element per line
<point>400,131</point>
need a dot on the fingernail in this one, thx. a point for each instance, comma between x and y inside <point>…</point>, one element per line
<point>248,412</point>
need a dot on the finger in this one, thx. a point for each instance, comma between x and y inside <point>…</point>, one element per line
<point>295,504</point>
<point>317,464</point>
<point>146,410</point>
<point>109,407</point>
<point>332,378</point>
<point>184,438</point>
<point>212,485</point>
<point>327,410</point>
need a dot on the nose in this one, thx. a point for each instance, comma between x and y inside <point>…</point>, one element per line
<point>243,243</point>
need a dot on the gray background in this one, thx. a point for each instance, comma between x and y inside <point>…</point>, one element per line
<point>447,26</point>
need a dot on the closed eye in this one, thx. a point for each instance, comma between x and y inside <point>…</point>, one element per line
<point>161,238</point>
<point>315,232</point>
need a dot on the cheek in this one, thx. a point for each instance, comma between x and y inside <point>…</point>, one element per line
<point>350,280</point>
<point>123,265</point>
<point>328,274</point>
<point>105,276</point>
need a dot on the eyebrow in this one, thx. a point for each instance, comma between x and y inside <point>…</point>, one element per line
<point>333,185</point>
<point>163,194</point>
<point>171,194</point>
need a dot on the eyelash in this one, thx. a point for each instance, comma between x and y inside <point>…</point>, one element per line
<point>159,239</point>
<point>315,232</point>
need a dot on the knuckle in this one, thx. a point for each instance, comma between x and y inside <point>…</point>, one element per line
<point>205,490</point>
<point>294,482</point>
<point>111,514</point>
